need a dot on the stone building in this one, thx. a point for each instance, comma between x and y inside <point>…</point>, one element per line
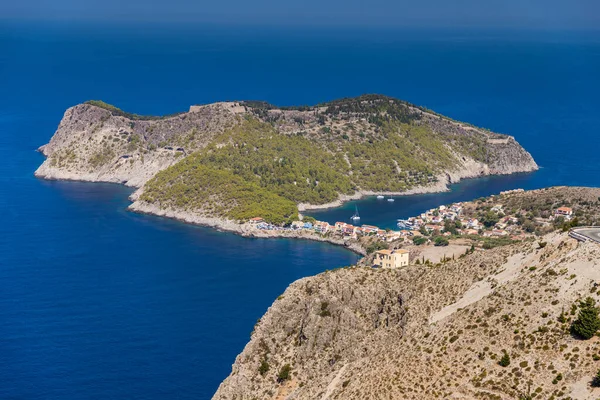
<point>391,258</point>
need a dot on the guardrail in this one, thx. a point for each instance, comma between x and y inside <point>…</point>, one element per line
<point>577,236</point>
<point>580,237</point>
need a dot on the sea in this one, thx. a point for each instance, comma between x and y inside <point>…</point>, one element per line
<point>100,303</point>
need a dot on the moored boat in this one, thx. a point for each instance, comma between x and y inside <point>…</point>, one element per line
<point>355,217</point>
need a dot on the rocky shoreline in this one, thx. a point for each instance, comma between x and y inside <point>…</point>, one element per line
<point>440,186</point>
<point>246,229</point>
<point>96,142</point>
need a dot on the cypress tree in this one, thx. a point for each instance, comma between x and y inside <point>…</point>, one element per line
<point>587,323</point>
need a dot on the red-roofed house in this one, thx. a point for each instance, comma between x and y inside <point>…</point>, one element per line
<point>566,212</point>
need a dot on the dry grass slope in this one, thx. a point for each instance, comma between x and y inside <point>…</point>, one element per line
<point>358,333</point>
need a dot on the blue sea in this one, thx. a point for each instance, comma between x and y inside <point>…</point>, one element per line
<point>100,303</point>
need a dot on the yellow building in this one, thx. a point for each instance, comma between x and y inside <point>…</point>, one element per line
<point>391,258</point>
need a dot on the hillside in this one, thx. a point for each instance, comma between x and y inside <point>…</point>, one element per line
<point>273,157</point>
<point>426,332</point>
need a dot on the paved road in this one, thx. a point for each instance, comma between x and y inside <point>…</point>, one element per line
<point>590,233</point>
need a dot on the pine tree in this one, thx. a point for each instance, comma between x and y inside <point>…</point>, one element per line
<point>596,380</point>
<point>587,323</point>
<point>505,360</point>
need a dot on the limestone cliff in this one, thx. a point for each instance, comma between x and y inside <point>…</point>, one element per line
<point>430,332</point>
<point>273,156</point>
<point>96,144</point>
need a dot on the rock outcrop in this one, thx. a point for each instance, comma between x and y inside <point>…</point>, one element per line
<point>97,145</point>
<point>430,332</point>
<point>93,143</point>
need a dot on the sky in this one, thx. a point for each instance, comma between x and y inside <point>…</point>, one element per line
<point>537,14</point>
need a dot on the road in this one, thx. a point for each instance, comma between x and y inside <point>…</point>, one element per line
<point>589,233</point>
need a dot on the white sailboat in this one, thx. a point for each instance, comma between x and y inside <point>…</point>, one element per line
<point>380,196</point>
<point>355,217</point>
<point>390,198</point>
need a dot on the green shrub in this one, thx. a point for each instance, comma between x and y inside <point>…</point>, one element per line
<point>284,373</point>
<point>193,187</point>
<point>309,219</point>
<point>419,240</point>
<point>441,241</point>
<point>324,309</point>
<point>490,219</point>
<point>377,245</point>
<point>587,323</point>
<point>596,380</point>
<point>264,367</point>
<point>505,360</point>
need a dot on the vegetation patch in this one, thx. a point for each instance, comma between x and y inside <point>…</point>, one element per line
<point>190,186</point>
<point>101,157</point>
<point>587,323</point>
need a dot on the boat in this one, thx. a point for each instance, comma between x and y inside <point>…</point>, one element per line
<point>380,196</point>
<point>355,217</point>
<point>390,199</point>
<point>405,224</point>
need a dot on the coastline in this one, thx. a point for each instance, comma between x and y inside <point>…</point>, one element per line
<point>249,230</point>
<point>245,230</point>
<point>134,171</point>
<point>440,186</point>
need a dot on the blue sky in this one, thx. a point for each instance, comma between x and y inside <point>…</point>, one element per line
<point>545,14</point>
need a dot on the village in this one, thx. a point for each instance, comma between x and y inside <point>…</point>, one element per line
<point>435,227</point>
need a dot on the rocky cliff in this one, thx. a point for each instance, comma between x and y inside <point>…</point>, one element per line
<point>95,143</point>
<point>273,156</point>
<point>430,332</point>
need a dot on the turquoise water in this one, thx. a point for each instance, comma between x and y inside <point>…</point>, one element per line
<point>97,302</point>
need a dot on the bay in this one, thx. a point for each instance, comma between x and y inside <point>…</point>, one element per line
<point>98,302</point>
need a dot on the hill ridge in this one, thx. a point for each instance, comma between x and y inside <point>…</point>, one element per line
<point>311,156</point>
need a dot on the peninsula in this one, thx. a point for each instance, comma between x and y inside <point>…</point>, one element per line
<point>512,322</point>
<point>517,319</point>
<point>224,164</point>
